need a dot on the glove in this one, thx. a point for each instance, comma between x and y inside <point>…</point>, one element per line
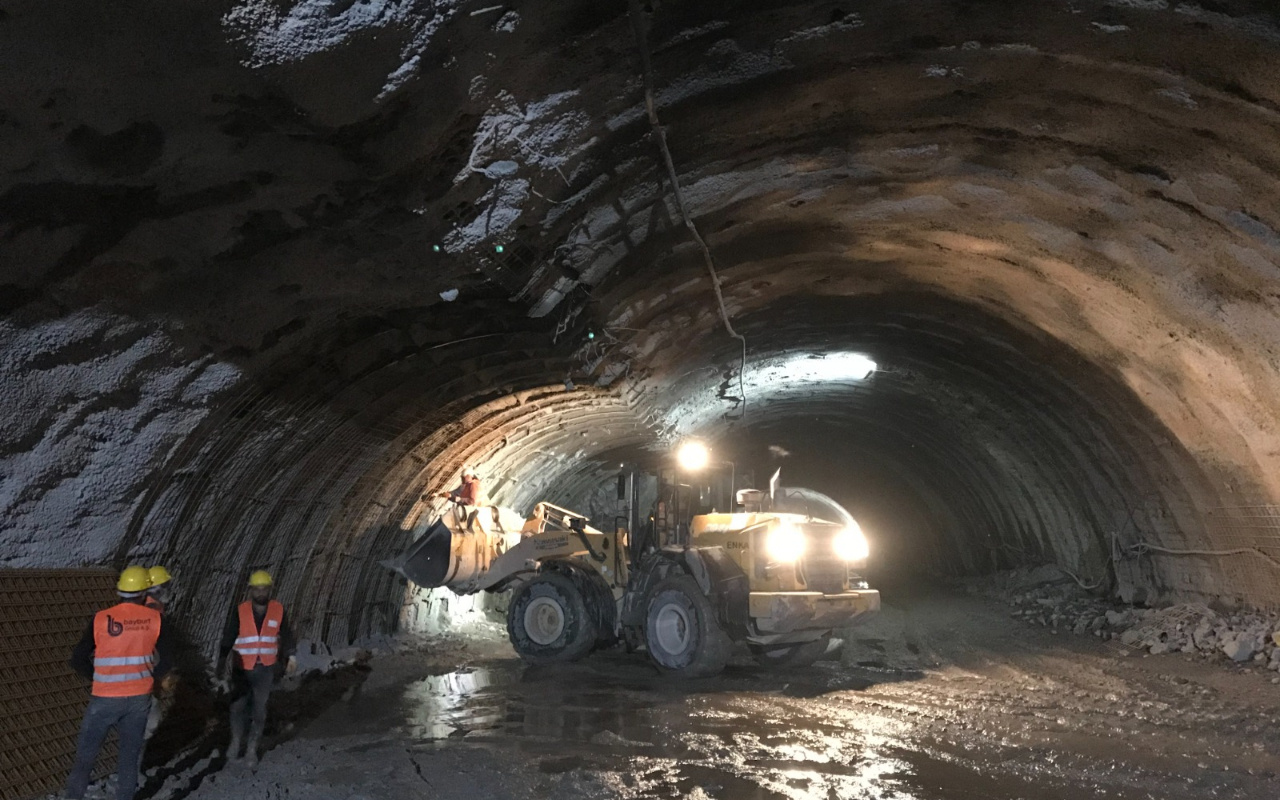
<point>291,667</point>
<point>169,682</point>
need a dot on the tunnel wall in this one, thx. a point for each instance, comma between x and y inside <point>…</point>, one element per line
<point>318,499</point>
<point>255,304</point>
<point>95,405</point>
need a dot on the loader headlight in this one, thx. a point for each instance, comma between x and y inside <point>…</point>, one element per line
<point>851,545</point>
<point>784,543</point>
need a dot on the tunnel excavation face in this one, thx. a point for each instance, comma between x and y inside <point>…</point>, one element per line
<point>256,305</point>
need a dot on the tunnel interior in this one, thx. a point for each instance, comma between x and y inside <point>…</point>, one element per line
<point>256,305</point>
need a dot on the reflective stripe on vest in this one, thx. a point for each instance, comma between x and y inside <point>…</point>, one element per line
<point>122,677</point>
<point>124,639</point>
<point>259,646</point>
<point>121,661</point>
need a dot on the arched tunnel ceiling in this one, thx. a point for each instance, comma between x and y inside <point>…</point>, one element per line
<point>270,269</point>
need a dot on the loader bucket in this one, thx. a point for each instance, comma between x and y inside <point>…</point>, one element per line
<point>426,562</point>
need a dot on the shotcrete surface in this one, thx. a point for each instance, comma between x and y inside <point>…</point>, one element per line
<point>271,268</point>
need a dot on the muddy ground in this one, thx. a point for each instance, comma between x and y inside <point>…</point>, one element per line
<point>944,697</point>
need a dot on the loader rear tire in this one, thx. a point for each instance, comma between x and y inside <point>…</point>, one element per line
<point>681,632</point>
<point>548,620</point>
<point>792,656</point>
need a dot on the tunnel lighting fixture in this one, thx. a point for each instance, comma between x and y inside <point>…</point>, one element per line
<point>591,334</point>
<point>784,544</point>
<point>692,456</point>
<point>851,545</point>
<point>435,248</point>
<point>848,365</point>
<point>833,367</point>
<point>498,249</point>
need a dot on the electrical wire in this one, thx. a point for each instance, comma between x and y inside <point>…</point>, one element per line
<point>1142,548</point>
<point>646,63</point>
<point>1088,587</point>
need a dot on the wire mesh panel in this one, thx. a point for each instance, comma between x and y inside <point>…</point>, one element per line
<point>1248,539</point>
<point>42,615</point>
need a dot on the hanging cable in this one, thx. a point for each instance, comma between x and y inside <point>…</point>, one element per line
<point>638,28</point>
<point>1142,548</point>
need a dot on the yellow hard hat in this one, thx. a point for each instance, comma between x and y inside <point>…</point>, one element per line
<point>134,580</point>
<point>159,575</point>
<point>260,578</point>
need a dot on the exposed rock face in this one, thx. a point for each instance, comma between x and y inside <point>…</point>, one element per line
<point>348,247</point>
<point>95,405</point>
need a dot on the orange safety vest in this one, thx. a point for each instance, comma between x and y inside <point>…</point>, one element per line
<point>259,646</point>
<point>124,643</point>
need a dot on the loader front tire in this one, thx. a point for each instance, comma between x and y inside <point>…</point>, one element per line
<point>681,632</point>
<point>548,620</point>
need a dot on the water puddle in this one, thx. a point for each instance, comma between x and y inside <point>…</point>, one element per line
<point>741,736</point>
<point>455,704</point>
<point>511,702</point>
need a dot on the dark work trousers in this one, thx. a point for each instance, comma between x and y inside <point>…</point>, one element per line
<point>128,715</point>
<point>252,688</point>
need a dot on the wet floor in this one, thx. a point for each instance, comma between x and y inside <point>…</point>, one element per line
<point>944,700</point>
<point>748,734</point>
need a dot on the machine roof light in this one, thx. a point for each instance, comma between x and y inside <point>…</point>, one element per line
<point>692,456</point>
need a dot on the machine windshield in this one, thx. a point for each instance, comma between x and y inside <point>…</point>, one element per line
<point>798,500</point>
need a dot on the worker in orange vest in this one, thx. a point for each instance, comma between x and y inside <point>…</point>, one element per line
<point>124,651</point>
<point>258,647</point>
<point>159,596</point>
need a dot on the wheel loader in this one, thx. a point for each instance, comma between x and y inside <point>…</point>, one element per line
<point>708,566</point>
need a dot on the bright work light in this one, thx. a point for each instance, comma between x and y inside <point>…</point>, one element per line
<point>692,456</point>
<point>842,366</point>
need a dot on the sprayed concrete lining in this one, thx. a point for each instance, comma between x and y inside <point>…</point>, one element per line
<point>262,290</point>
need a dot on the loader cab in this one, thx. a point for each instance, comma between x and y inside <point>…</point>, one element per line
<point>683,495</point>
<point>660,501</point>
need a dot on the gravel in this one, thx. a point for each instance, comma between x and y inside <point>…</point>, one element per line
<point>1049,597</point>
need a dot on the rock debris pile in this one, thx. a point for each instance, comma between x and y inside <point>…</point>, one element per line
<point>1049,597</point>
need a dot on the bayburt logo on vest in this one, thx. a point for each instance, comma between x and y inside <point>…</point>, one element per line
<point>114,628</point>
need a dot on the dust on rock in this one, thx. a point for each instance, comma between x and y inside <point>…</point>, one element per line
<point>1051,598</point>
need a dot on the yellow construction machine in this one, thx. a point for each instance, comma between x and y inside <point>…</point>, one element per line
<point>708,566</point>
